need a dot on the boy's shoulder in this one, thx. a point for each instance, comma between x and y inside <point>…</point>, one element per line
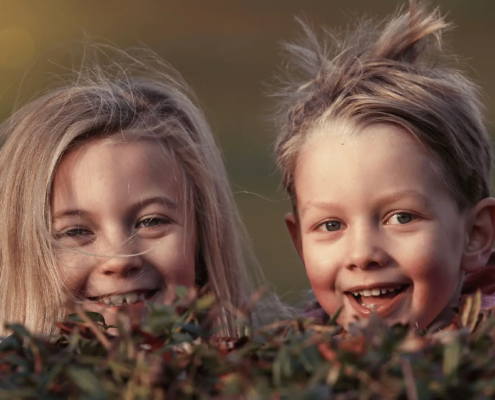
<point>484,281</point>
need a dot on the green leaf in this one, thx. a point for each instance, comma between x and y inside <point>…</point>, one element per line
<point>205,302</point>
<point>87,382</point>
<point>333,320</point>
<point>10,343</point>
<point>93,316</point>
<point>451,357</point>
<point>181,291</point>
<point>471,311</point>
<point>19,330</point>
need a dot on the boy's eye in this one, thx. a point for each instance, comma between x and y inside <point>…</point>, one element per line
<point>152,222</point>
<point>331,226</point>
<point>401,218</point>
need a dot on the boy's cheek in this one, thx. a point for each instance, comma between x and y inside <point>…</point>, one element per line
<point>322,276</point>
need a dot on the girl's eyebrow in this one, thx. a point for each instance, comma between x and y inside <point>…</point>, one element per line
<point>144,202</point>
<point>169,203</point>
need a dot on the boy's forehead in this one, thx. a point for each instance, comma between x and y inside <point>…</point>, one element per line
<point>382,161</point>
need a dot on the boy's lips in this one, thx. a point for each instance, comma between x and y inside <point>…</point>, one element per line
<point>391,296</point>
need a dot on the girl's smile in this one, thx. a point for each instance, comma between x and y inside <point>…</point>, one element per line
<point>122,230</point>
<point>376,227</point>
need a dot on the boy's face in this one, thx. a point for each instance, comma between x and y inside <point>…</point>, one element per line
<point>376,228</point>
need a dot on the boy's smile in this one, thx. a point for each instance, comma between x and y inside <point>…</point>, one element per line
<point>376,227</point>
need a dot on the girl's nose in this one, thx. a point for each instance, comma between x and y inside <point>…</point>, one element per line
<point>365,250</point>
<point>121,264</point>
<point>125,261</point>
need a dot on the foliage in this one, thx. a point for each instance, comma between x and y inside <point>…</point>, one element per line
<point>173,355</point>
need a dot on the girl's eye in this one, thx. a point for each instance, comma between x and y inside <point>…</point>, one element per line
<point>73,233</point>
<point>331,226</point>
<point>401,218</point>
<point>153,222</point>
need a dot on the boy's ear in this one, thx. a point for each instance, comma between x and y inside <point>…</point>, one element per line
<point>481,236</point>
<point>292,223</point>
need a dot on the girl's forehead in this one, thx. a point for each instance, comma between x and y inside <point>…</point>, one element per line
<point>106,169</point>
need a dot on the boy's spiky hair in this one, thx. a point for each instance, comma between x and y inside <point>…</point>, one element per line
<point>394,73</point>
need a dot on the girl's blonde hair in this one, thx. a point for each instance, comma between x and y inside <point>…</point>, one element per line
<point>393,73</point>
<point>131,98</point>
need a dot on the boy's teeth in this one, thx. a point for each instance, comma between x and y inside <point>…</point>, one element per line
<point>375,291</point>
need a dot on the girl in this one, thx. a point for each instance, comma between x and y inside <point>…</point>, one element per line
<point>111,190</point>
<point>386,158</point>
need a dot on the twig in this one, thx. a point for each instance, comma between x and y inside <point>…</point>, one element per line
<point>94,328</point>
<point>412,393</point>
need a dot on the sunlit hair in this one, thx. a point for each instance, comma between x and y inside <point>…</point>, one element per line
<point>136,97</point>
<point>395,72</point>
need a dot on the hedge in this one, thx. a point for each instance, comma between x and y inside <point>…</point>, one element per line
<point>174,354</point>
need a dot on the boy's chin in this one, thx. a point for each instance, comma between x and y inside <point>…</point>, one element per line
<point>396,310</point>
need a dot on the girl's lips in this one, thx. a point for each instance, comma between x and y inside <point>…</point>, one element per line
<point>384,308</point>
<point>100,306</point>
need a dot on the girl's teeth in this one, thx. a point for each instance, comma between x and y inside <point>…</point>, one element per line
<point>366,293</point>
<point>131,298</point>
<point>375,292</point>
<point>117,299</point>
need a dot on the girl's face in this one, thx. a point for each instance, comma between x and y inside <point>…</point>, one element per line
<point>376,228</point>
<point>124,230</point>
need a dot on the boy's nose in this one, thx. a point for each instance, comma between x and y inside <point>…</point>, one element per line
<point>365,251</point>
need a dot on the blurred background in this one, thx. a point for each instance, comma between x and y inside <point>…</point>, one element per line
<point>229,52</point>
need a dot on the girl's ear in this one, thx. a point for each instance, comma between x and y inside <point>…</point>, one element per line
<point>481,236</point>
<point>292,223</point>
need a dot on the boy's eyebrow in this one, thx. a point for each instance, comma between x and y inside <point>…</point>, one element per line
<point>396,196</point>
<point>323,205</point>
<point>141,204</point>
<point>388,198</point>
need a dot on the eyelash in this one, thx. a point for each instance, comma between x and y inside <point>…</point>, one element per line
<point>161,220</point>
<point>80,232</point>
<point>72,233</point>
<point>412,215</point>
<point>322,226</point>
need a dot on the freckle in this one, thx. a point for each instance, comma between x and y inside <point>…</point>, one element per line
<point>342,144</point>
